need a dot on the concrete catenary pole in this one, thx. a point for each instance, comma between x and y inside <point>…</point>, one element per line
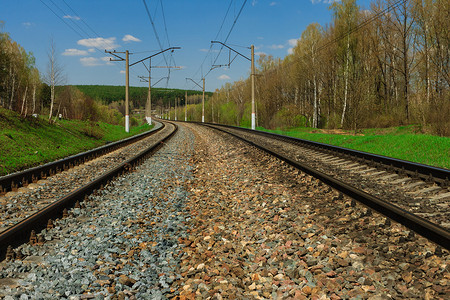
<point>203,101</point>
<point>185,106</point>
<point>127,83</point>
<point>253,88</point>
<point>148,107</point>
<point>176,108</point>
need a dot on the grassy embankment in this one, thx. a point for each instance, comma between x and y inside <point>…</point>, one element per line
<point>399,142</point>
<point>29,142</point>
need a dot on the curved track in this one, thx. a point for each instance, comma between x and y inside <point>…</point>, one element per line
<point>21,231</point>
<point>382,188</point>
<point>16,180</point>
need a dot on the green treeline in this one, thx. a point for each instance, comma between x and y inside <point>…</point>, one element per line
<point>368,68</point>
<point>138,95</point>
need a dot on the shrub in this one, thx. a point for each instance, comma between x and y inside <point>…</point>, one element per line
<point>91,129</point>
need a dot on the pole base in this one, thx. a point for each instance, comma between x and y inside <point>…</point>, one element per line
<point>127,123</point>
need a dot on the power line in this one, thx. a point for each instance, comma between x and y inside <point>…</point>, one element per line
<point>82,20</point>
<point>154,29</point>
<point>217,35</point>
<point>73,29</point>
<point>350,31</point>
<point>164,21</point>
<point>361,25</point>
<point>228,35</point>
<point>71,20</point>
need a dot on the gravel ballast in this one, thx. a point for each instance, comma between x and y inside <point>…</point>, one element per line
<point>262,230</point>
<point>123,244</point>
<point>209,217</point>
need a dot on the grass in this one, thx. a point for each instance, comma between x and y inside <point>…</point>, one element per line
<point>402,142</point>
<point>29,142</point>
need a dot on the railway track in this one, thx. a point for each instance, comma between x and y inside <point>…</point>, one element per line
<point>14,181</point>
<point>414,195</point>
<point>32,206</point>
<point>210,216</point>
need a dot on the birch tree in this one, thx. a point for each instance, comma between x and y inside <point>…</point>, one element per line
<point>54,76</point>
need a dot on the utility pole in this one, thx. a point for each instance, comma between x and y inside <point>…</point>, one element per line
<point>127,79</point>
<point>185,106</point>
<point>203,98</point>
<point>127,85</point>
<point>148,107</point>
<point>203,101</point>
<point>176,107</point>
<point>253,88</point>
<point>169,110</point>
<point>252,60</point>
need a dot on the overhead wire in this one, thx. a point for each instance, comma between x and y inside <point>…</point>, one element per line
<point>81,19</point>
<point>351,30</point>
<point>154,30</point>
<point>172,59</point>
<point>359,26</point>
<point>73,29</point>
<point>210,46</point>
<point>228,35</point>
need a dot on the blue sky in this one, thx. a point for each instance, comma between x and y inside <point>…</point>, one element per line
<point>83,29</point>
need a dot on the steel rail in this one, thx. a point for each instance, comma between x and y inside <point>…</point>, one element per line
<point>425,172</point>
<point>419,225</point>
<point>22,178</point>
<point>20,233</point>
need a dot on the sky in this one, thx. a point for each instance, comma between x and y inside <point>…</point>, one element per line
<point>81,31</point>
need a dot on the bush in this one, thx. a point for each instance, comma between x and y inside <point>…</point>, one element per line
<point>439,118</point>
<point>91,129</point>
<point>134,121</point>
<point>288,117</point>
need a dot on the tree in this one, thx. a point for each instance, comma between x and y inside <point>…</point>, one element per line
<point>54,75</point>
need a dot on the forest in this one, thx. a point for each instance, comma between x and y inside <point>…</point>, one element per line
<point>138,95</point>
<point>386,66</point>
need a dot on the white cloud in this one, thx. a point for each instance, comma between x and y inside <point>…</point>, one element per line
<point>122,72</point>
<point>261,53</point>
<point>90,61</point>
<point>260,38</point>
<point>324,1</point>
<point>74,52</point>
<point>275,47</point>
<point>273,3</point>
<point>292,42</point>
<point>107,60</point>
<point>77,18</point>
<point>224,77</point>
<point>102,43</point>
<point>28,24</point>
<point>254,2</point>
<point>130,38</point>
<point>91,50</point>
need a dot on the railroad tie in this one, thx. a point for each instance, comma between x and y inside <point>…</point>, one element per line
<point>33,238</point>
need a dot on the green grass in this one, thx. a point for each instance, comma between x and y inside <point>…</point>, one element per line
<point>29,142</point>
<point>398,142</point>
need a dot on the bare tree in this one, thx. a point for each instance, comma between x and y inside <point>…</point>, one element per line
<point>54,75</point>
